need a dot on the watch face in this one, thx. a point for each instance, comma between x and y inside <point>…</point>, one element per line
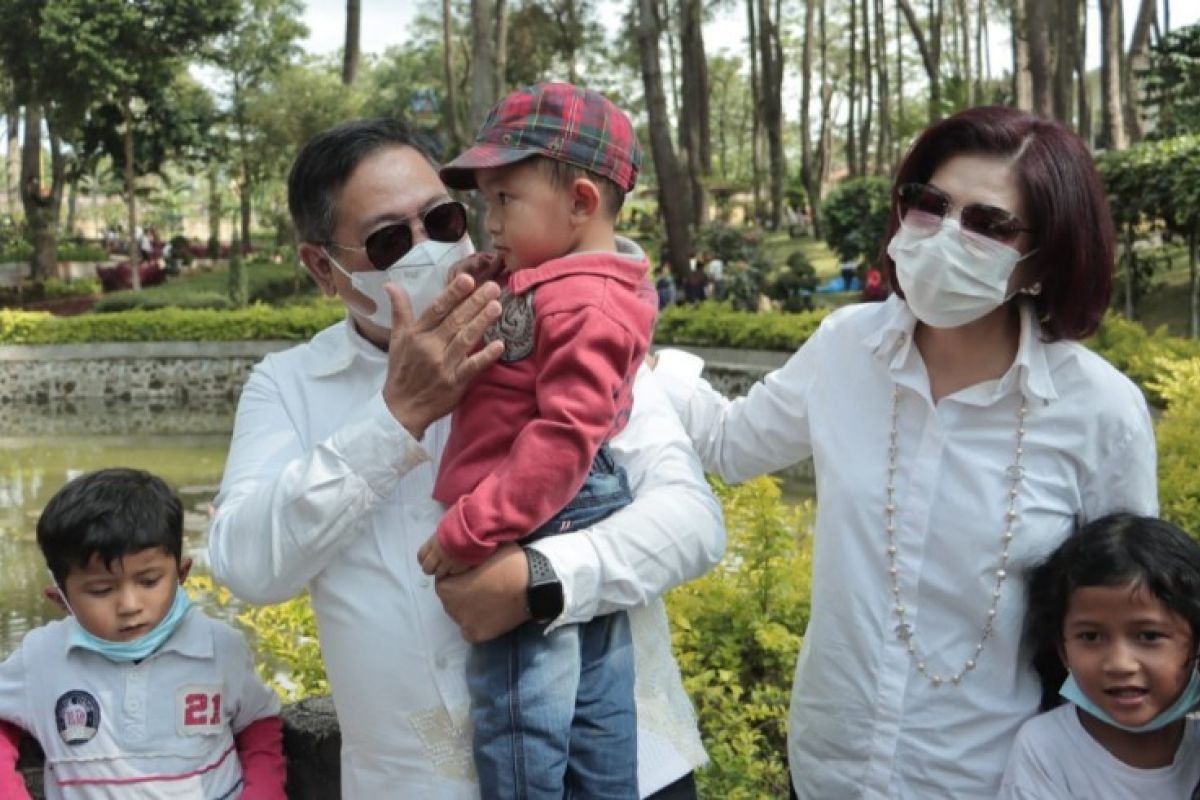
<point>545,601</point>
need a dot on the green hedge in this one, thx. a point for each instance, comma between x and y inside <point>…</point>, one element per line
<point>170,324</point>
<point>718,325</point>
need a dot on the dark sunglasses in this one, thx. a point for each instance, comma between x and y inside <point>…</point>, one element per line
<point>924,207</point>
<point>445,222</point>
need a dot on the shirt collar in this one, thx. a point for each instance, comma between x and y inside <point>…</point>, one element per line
<point>892,342</point>
<point>629,266</point>
<point>334,349</point>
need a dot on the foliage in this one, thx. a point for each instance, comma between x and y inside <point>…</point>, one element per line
<point>736,632</point>
<point>1172,83</point>
<point>129,300</point>
<point>855,216</point>
<point>67,251</point>
<point>238,285</point>
<point>746,265</point>
<point>718,325</point>
<point>1178,435</point>
<point>255,322</point>
<point>1139,353</point>
<point>55,288</point>
<point>793,284</point>
<point>286,640</point>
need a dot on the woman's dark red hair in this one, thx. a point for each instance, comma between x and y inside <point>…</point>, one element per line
<point>1065,206</point>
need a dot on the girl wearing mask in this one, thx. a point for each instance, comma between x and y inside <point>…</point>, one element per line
<point>958,432</point>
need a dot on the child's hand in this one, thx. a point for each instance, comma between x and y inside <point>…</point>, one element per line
<point>435,562</point>
<point>482,267</point>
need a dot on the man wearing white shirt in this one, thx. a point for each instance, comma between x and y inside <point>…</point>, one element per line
<point>327,487</point>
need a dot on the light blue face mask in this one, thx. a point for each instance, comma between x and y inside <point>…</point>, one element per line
<point>1186,702</point>
<point>136,649</point>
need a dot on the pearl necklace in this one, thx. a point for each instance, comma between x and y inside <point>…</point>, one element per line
<point>904,629</point>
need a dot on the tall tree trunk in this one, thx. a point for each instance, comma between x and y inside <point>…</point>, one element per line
<point>12,171</point>
<point>350,52</point>
<point>1022,79</point>
<point>214,211</point>
<point>964,37</point>
<point>674,203</point>
<point>852,94</point>
<point>39,201</point>
<point>1039,21</point>
<point>1112,126</point>
<point>501,61</point>
<point>451,113</point>
<point>72,203</point>
<point>664,25</point>
<point>808,174</point>
<point>1082,95</point>
<point>899,78</point>
<point>980,28</point>
<point>931,53</point>
<point>883,146</point>
<point>755,118</point>
<point>135,250</point>
<point>770,50</point>
<point>864,138</point>
<point>1064,68</point>
<point>825,137</point>
<point>483,94</point>
<point>1134,60</point>
<point>693,125</point>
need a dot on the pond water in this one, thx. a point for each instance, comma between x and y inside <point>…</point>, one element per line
<point>184,445</point>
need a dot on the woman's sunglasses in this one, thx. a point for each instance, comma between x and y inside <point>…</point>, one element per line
<point>445,222</point>
<point>924,207</point>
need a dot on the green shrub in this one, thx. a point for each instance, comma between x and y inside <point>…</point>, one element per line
<point>55,288</point>
<point>145,301</point>
<point>718,325</point>
<point>81,251</point>
<point>854,216</point>
<point>1178,436</point>
<point>736,632</point>
<point>294,323</point>
<point>1138,353</point>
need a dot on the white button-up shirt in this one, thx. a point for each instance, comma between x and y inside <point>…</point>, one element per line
<point>160,728</point>
<point>324,489</point>
<point>864,722</point>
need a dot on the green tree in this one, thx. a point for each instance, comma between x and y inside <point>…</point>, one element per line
<point>855,215</point>
<point>263,40</point>
<point>1172,81</point>
<point>122,53</point>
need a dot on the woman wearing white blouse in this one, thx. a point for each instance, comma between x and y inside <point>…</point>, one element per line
<point>959,432</point>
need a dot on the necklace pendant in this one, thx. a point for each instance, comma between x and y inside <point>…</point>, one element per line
<point>904,631</point>
<point>1014,472</point>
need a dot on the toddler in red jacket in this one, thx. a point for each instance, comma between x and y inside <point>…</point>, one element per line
<point>527,457</point>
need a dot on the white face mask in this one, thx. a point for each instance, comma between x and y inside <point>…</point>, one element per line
<point>945,284</point>
<point>422,273</point>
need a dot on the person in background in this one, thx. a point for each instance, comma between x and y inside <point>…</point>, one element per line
<point>958,432</point>
<point>664,286</point>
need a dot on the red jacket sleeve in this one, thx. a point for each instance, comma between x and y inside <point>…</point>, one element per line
<point>583,356</point>
<point>12,785</point>
<point>260,751</point>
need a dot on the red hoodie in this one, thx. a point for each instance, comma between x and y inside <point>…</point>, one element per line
<point>522,440</point>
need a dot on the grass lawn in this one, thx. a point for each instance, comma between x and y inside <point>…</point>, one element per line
<point>779,246</point>
<point>264,278</point>
<point>1167,302</point>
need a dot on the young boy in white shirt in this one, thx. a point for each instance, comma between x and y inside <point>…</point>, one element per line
<point>136,693</point>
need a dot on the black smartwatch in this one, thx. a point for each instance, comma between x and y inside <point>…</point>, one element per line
<point>544,597</point>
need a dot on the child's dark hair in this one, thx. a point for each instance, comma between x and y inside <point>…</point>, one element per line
<point>1110,551</point>
<point>562,175</point>
<point>109,513</point>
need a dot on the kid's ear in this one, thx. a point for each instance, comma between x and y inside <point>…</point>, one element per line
<point>52,594</point>
<point>185,566</point>
<point>585,198</point>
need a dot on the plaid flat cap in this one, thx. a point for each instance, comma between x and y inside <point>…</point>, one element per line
<point>567,123</point>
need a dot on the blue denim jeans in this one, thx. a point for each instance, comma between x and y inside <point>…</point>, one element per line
<point>553,713</point>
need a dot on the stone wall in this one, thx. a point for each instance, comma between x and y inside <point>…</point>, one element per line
<point>165,375</point>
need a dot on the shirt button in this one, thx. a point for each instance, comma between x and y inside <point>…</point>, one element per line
<point>135,704</point>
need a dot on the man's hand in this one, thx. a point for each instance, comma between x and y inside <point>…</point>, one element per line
<point>430,360</point>
<point>435,561</point>
<point>489,600</point>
